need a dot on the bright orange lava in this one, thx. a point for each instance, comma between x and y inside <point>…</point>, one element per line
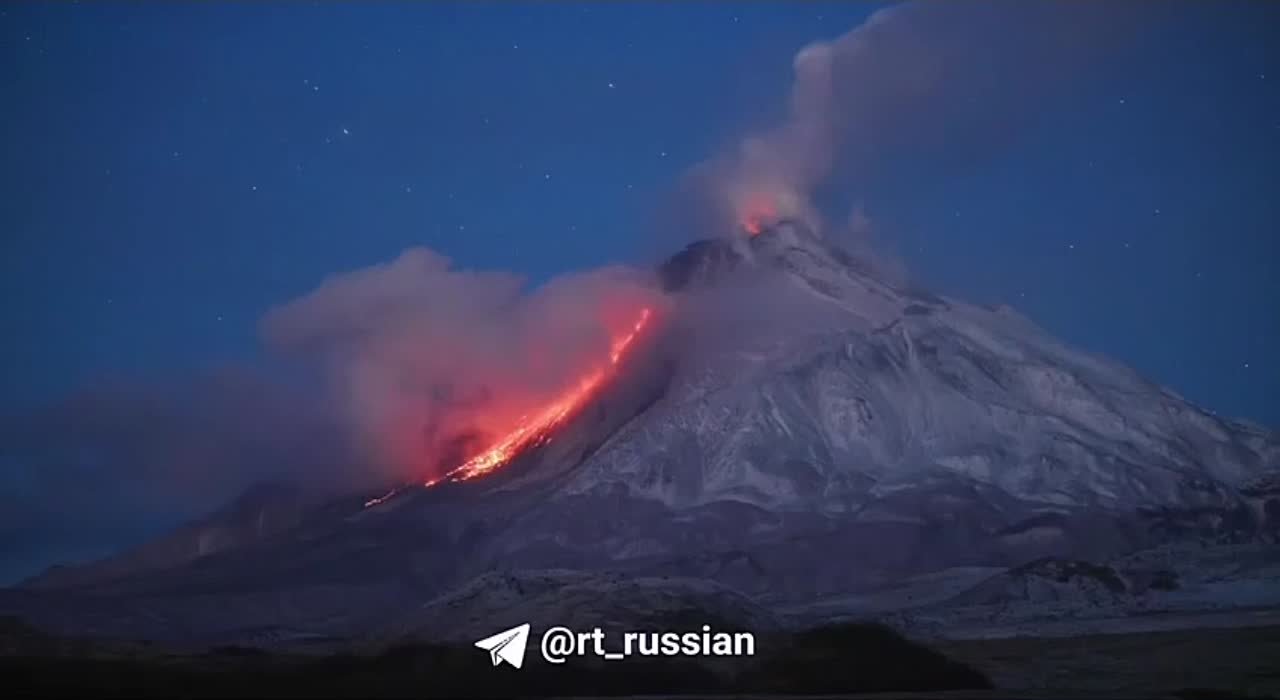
<point>537,429</point>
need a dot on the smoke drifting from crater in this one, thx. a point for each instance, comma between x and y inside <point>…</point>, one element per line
<point>935,78</point>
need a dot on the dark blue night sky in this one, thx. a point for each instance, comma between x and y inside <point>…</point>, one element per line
<point>172,171</point>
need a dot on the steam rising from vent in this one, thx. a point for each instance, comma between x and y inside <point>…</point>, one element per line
<point>948,79</point>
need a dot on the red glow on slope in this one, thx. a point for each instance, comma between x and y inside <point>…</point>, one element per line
<point>536,429</point>
<point>758,211</point>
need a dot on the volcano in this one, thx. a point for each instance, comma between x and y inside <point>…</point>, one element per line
<point>801,436</point>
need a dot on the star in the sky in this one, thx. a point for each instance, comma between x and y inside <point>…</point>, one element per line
<point>611,86</point>
<point>345,132</point>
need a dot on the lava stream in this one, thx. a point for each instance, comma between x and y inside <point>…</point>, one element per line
<point>537,429</point>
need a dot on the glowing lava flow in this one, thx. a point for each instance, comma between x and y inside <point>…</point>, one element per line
<point>537,429</point>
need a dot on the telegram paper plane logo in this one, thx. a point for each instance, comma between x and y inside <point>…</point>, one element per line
<point>507,646</point>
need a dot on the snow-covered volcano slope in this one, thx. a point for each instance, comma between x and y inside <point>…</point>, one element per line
<point>804,428</point>
<point>826,428</point>
<point>826,414</point>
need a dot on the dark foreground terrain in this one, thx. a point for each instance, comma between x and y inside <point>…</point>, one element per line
<point>844,660</point>
<point>1190,663</point>
<point>838,659</point>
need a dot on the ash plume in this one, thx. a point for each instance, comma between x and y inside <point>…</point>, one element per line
<point>938,78</point>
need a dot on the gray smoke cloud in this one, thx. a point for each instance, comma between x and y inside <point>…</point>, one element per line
<point>119,461</point>
<point>388,373</point>
<point>942,78</point>
<point>429,362</point>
